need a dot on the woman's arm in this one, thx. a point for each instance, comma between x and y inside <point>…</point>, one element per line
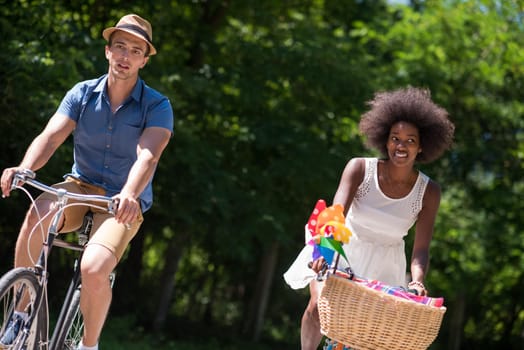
<point>351,178</point>
<point>423,236</point>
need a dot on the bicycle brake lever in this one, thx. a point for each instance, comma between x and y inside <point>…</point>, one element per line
<point>112,206</point>
<point>28,173</point>
<point>20,178</point>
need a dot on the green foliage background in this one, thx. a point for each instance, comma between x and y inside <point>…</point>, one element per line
<point>267,97</point>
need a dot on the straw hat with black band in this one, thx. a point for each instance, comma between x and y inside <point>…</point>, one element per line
<point>135,25</point>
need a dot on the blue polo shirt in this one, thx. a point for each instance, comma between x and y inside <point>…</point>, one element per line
<point>105,144</point>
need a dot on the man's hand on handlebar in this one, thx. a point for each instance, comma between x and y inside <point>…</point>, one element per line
<point>7,179</point>
<point>127,208</point>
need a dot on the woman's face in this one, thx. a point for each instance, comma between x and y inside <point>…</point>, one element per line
<point>403,144</point>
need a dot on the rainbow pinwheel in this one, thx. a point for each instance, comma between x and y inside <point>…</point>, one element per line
<point>328,231</point>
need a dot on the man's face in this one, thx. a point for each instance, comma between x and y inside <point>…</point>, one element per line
<point>126,55</point>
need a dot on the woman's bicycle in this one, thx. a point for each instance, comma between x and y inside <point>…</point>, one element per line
<point>25,288</point>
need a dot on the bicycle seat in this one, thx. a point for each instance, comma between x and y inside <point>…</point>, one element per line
<point>83,235</point>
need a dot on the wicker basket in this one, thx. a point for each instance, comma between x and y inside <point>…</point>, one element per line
<point>366,319</point>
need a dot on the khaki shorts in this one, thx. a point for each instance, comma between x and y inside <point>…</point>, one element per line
<point>106,231</point>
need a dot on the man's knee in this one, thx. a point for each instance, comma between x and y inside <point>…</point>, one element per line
<point>38,214</point>
<point>97,264</point>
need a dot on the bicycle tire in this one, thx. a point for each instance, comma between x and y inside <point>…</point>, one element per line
<point>16,281</point>
<point>72,327</point>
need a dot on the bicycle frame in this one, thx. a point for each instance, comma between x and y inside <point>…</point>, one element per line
<point>58,334</point>
<point>40,267</point>
<point>28,176</point>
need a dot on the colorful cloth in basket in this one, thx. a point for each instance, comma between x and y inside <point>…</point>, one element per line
<point>402,293</point>
<point>397,291</point>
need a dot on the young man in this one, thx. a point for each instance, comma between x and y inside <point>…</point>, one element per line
<point>121,127</point>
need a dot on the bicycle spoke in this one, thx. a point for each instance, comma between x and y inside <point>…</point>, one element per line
<point>19,290</point>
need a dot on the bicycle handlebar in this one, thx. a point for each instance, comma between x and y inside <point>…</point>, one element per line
<point>28,176</point>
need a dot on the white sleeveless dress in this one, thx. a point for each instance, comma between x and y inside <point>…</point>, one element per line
<point>376,249</point>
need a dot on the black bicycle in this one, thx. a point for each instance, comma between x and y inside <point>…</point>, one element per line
<point>25,288</point>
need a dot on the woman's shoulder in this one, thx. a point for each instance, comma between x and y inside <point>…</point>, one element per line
<point>362,161</point>
<point>357,164</point>
<point>356,169</point>
<point>432,185</point>
<point>433,191</point>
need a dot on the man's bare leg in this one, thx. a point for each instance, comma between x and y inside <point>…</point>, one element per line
<point>97,264</point>
<point>32,234</point>
<point>30,240</point>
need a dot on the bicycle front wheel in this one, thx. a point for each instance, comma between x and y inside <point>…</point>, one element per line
<point>19,291</point>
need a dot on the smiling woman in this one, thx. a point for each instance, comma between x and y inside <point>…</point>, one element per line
<point>413,106</point>
<point>383,198</point>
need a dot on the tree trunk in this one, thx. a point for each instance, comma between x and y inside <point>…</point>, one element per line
<point>167,285</point>
<point>258,305</point>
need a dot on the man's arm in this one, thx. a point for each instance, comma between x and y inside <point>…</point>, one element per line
<point>150,147</point>
<point>41,149</point>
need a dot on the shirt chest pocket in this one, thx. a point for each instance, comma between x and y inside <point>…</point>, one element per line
<point>125,140</point>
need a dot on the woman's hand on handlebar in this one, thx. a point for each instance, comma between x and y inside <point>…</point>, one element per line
<point>417,288</point>
<point>318,265</point>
